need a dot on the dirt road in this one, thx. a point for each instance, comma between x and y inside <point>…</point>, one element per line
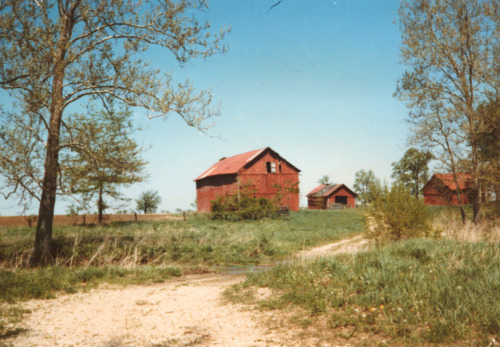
<point>181,312</point>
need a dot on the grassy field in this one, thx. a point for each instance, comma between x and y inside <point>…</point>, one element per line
<point>145,252</point>
<point>412,292</point>
<point>439,290</point>
<point>128,250</point>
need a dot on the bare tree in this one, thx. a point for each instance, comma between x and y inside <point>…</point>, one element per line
<point>56,54</point>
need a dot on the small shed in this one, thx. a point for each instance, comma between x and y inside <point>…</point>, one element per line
<point>327,196</point>
<point>261,170</point>
<point>441,189</point>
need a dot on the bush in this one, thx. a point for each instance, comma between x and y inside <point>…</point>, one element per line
<point>397,215</point>
<point>243,206</point>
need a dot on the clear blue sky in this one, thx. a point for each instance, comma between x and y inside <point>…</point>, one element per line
<point>313,80</point>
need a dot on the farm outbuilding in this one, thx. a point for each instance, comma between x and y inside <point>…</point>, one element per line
<point>327,196</point>
<point>441,189</point>
<point>260,171</point>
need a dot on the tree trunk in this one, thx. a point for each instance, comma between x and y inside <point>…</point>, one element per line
<point>42,250</point>
<point>100,205</point>
<point>476,190</point>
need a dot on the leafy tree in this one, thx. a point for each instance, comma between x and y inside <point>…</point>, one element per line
<point>148,201</point>
<point>489,145</point>
<point>105,157</point>
<point>451,47</point>
<point>396,215</point>
<point>412,170</point>
<point>58,54</point>
<point>325,179</point>
<point>366,185</point>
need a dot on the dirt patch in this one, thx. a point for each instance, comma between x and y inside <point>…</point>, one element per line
<point>177,313</point>
<point>351,245</point>
<point>183,312</point>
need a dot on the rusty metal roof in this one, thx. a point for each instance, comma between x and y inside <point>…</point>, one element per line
<point>325,190</point>
<point>234,164</point>
<point>315,190</point>
<point>464,180</point>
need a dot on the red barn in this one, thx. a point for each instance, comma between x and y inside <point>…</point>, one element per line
<point>328,195</point>
<point>441,189</point>
<point>260,170</point>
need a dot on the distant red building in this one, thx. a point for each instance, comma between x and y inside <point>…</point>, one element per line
<point>258,170</point>
<point>328,195</point>
<point>441,189</point>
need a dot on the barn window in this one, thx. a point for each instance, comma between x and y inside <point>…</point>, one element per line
<point>279,166</point>
<point>271,167</point>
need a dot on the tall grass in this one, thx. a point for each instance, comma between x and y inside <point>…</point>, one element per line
<point>196,242</point>
<point>447,223</point>
<point>412,291</point>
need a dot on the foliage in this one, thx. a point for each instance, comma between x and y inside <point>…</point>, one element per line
<point>412,170</point>
<point>106,157</point>
<point>451,47</point>
<point>148,201</point>
<point>243,206</point>
<point>489,145</point>
<point>366,185</point>
<point>411,292</point>
<point>325,179</point>
<point>397,215</point>
<point>58,56</point>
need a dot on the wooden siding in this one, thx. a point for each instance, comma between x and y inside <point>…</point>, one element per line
<point>443,197</point>
<point>324,202</point>
<point>351,200</point>
<point>255,176</point>
<point>210,188</point>
<point>316,203</point>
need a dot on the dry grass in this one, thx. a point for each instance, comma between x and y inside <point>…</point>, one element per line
<point>90,219</point>
<point>448,225</point>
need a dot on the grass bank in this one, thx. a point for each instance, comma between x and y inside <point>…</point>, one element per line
<point>411,292</point>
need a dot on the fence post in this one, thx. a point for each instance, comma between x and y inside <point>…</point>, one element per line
<point>135,216</point>
<point>184,215</point>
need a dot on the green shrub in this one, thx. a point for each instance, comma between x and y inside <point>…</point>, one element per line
<point>243,206</point>
<point>397,215</point>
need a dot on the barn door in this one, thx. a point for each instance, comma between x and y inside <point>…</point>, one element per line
<point>341,199</point>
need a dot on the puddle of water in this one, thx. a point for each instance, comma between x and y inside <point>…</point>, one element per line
<point>244,269</point>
